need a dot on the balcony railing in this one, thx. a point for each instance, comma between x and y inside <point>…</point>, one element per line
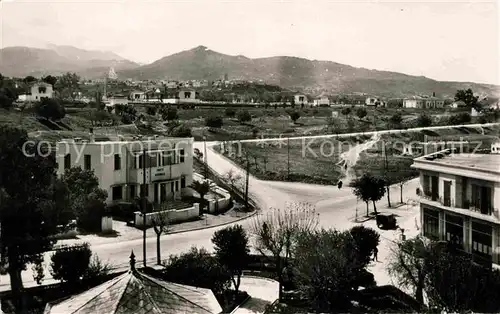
<point>476,206</point>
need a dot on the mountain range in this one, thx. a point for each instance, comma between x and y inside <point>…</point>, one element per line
<point>55,60</point>
<point>203,63</point>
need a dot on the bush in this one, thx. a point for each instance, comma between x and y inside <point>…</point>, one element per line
<point>50,109</point>
<point>294,115</point>
<point>361,112</point>
<point>70,264</point>
<point>461,118</point>
<point>244,116</point>
<point>230,112</point>
<point>169,114</point>
<point>151,111</point>
<point>345,111</point>
<point>197,268</point>
<point>90,217</point>
<point>366,240</point>
<point>424,120</point>
<point>181,131</point>
<point>5,102</point>
<point>96,269</point>
<point>214,122</point>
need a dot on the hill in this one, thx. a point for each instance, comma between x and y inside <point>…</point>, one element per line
<point>292,72</point>
<point>23,61</point>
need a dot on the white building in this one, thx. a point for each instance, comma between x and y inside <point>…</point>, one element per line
<point>459,201</point>
<point>138,96</point>
<point>414,102</point>
<point>37,92</point>
<point>373,101</point>
<point>116,100</point>
<point>321,101</point>
<point>187,96</point>
<point>300,99</point>
<point>118,165</point>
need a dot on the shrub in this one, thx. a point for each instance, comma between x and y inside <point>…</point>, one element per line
<point>230,112</point>
<point>199,268</point>
<point>214,122</point>
<point>151,111</point>
<point>244,116</point>
<point>345,111</point>
<point>181,131</point>
<point>169,114</point>
<point>96,269</point>
<point>294,115</point>
<point>69,264</point>
<point>461,118</point>
<point>361,112</point>
<point>424,120</point>
<point>50,109</point>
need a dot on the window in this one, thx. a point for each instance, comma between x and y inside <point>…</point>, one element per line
<point>176,186</point>
<point>181,157</point>
<point>431,223</point>
<point>183,183</point>
<point>481,242</point>
<point>67,161</point>
<point>145,189</point>
<point>454,230</point>
<point>118,162</point>
<point>172,187</point>
<point>138,161</point>
<point>117,193</point>
<point>87,162</point>
<point>133,192</point>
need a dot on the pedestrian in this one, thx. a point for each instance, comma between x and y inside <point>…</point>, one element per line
<point>375,253</point>
<point>339,185</point>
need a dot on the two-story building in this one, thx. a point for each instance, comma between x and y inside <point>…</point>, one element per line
<point>460,198</point>
<point>414,102</point>
<point>187,96</point>
<point>300,99</point>
<point>38,91</point>
<point>164,166</point>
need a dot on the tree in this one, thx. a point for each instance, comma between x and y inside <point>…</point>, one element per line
<point>70,264</point>
<point>198,268</point>
<point>276,233</point>
<point>68,85</point>
<point>230,112</point>
<point>233,179</point>
<point>467,96</point>
<point>50,108</point>
<point>169,114</point>
<point>407,265</point>
<point>244,116</point>
<point>328,270</point>
<point>26,199</point>
<point>49,79</point>
<point>29,79</point>
<point>86,199</point>
<point>214,122</point>
<point>202,188</point>
<point>294,115</point>
<point>151,111</point>
<point>424,120</point>
<point>5,102</point>
<point>361,112</point>
<point>232,249</point>
<point>366,240</point>
<point>346,111</point>
<point>369,188</point>
<point>161,225</point>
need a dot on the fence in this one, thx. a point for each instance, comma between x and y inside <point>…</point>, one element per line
<point>173,216</point>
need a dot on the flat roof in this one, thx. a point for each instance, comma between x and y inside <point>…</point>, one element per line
<point>480,166</point>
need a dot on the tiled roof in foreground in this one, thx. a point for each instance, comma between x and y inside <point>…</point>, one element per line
<point>136,292</point>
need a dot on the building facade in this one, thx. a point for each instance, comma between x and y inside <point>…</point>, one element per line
<point>300,99</point>
<point>187,96</point>
<point>37,92</point>
<point>413,102</point>
<point>164,166</point>
<point>321,101</point>
<point>460,196</point>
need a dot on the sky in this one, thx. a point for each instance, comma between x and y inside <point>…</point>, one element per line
<point>447,40</point>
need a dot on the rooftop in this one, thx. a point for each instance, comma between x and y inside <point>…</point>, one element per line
<point>480,166</point>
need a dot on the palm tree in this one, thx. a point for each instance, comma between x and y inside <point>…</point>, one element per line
<point>201,188</point>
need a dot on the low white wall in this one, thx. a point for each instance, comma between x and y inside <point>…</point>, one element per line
<point>223,202</point>
<point>174,216</point>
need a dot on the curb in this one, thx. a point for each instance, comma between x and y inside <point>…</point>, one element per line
<point>242,303</point>
<point>214,226</point>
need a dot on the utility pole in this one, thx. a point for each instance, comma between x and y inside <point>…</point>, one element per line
<point>386,167</point>
<point>144,204</point>
<point>247,180</point>
<point>205,154</point>
<point>288,161</point>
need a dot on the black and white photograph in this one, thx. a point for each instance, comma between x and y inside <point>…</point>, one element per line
<point>249,156</point>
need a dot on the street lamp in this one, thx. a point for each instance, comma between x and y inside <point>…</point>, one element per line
<point>205,154</point>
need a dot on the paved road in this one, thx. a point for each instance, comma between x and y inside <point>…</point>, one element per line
<point>335,207</point>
